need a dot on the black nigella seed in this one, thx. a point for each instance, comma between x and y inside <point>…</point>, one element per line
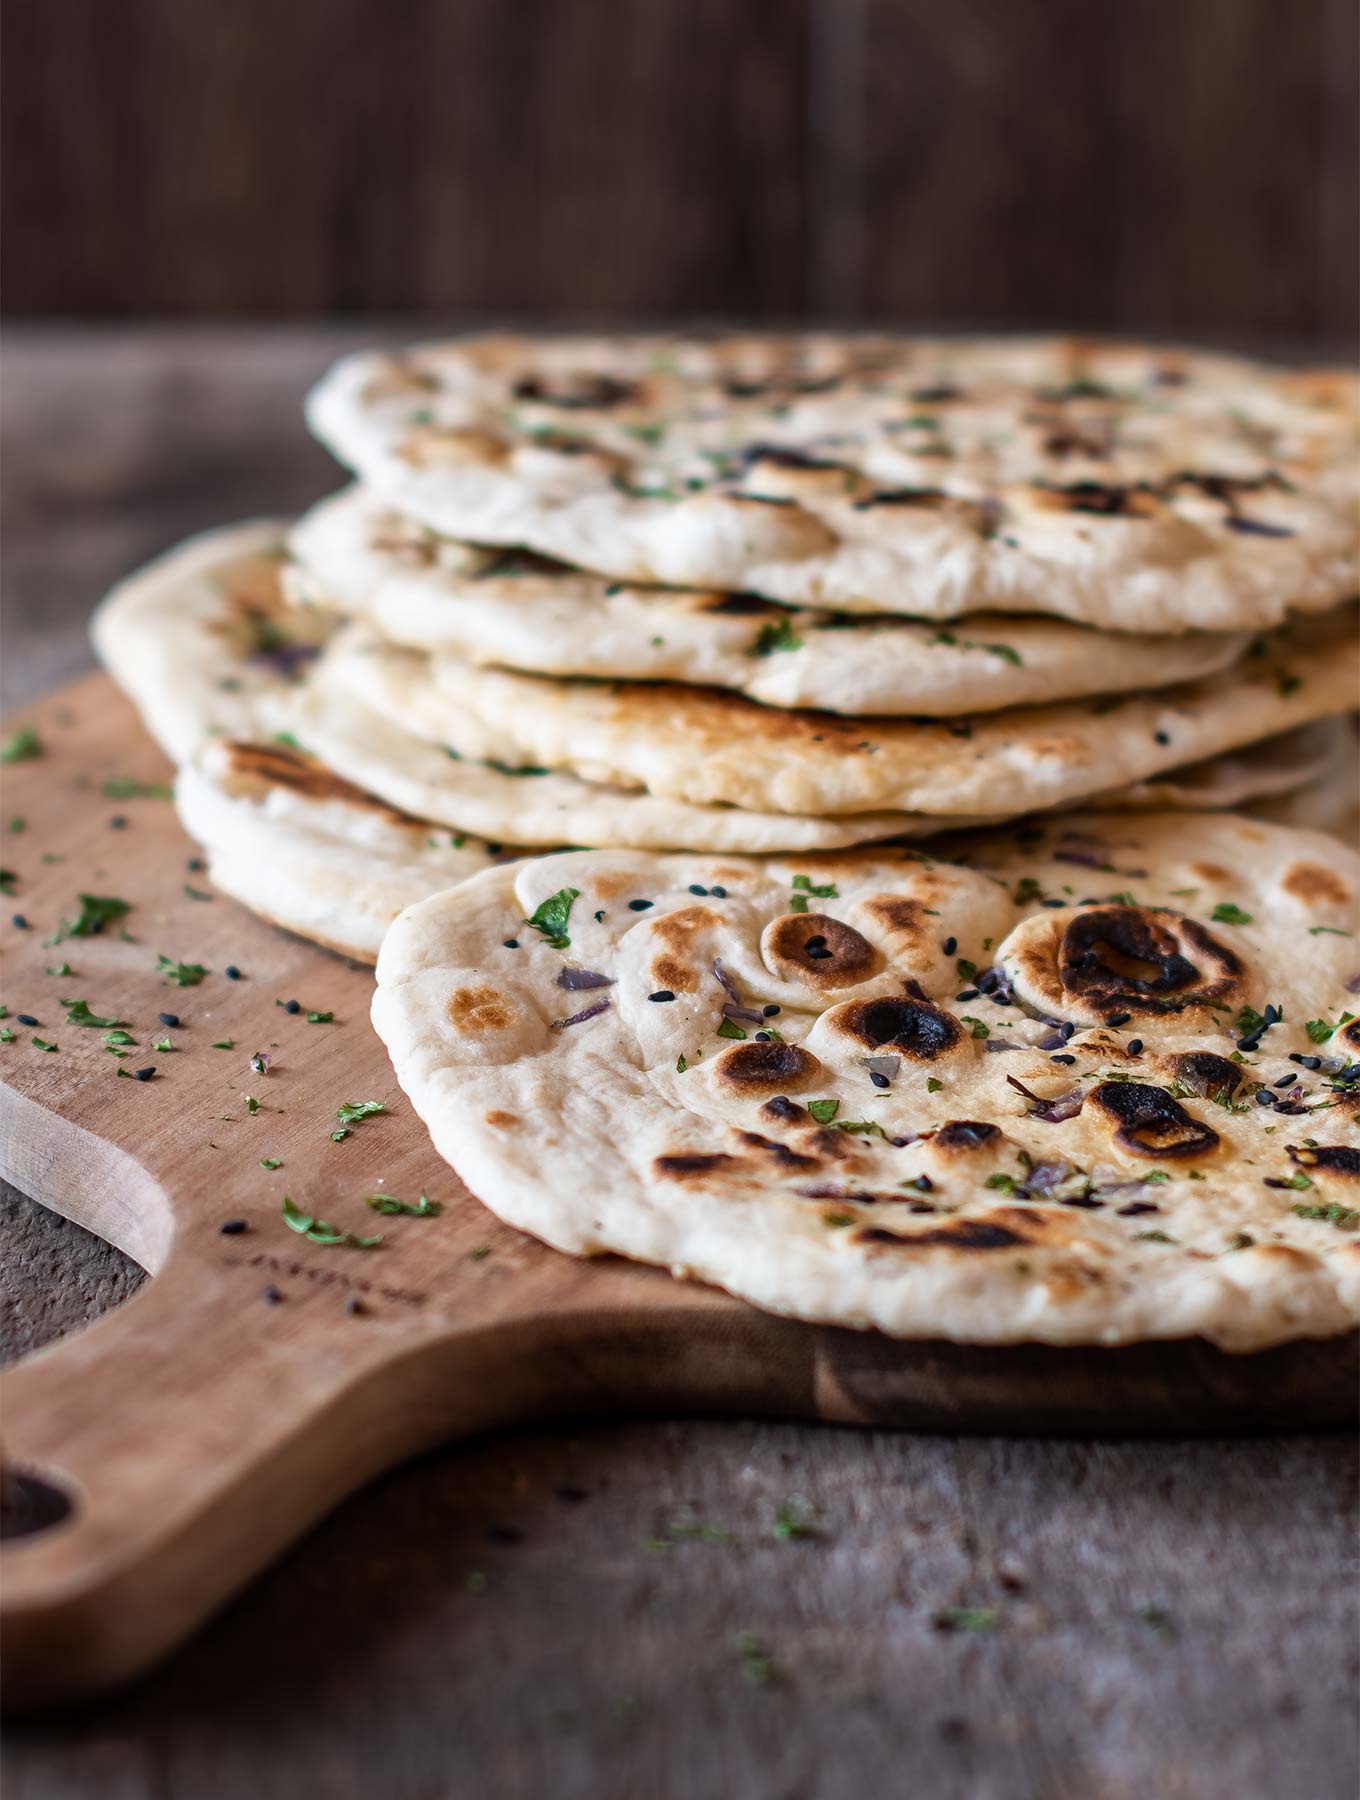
<point>143,1074</point>
<point>816,942</point>
<point>511,943</point>
<point>196,865</point>
<point>818,953</point>
<point>967,994</point>
<point>763,1037</point>
<point>117,822</point>
<point>1264,1097</point>
<point>1286,1080</point>
<point>27,1019</point>
<point>1162,737</point>
<point>879,1081</point>
<point>231,972</point>
<point>231,1227</point>
<point>1305,1062</point>
<point>1135,1046</point>
<point>662,994</point>
<point>718,893</point>
<point>19,922</point>
<point>949,946</point>
<point>1058,1057</point>
<point>771,1012</point>
<point>168,1018</point>
<point>571,1496</point>
<point>1249,1043</point>
<point>272,1295</point>
<point>640,905</point>
<point>493,849</point>
<point>291,1006</point>
<point>1053,903</point>
<point>1118,1018</point>
<point>1137,1207</point>
<point>694,888</point>
<point>354,1305</point>
<point>923,1184</point>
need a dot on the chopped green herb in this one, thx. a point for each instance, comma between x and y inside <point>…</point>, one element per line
<point>193,893</point>
<point>42,1044</point>
<point>352,1110</point>
<point>858,1127</point>
<point>777,635</point>
<point>680,1065</point>
<point>728,1028</point>
<point>1157,1619</point>
<point>61,969</point>
<point>420,1209</point>
<point>1006,1183</point>
<point>20,745</point>
<point>271,1162</point>
<point>1152,1237</point>
<point>112,1038</point>
<point>803,884</point>
<point>965,1618</point>
<point>1026,889</point>
<point>1227,913</point>
<point>550,917</point>
<point>756,1663</point>
<point>933,1084</point>
<point>1330,930</point>
<point>287,739</point>
<point>317,1231</point>
<point>979,1029</point>
<point>320,1018</point>
<point>123,787</point>
<point>181,974</point>
<point>1345,1218</point>
<point>223,1044</point>
<point>162,1044</point>
<point>252,1105</point>
<point>16,825</point>
<point>96,911</point>
<point>793,1519</point>
<point>824,1111</point>
<point>6,1035</point>
<point>1320,1030</point>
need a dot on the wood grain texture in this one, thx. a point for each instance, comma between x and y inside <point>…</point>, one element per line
<point>592,1664</point>
<point>259,1378</point>
<point>1105,166</point>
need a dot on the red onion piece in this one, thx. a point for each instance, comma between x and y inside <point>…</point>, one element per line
<point>1052,1112</point>
<point>591,1012</point>
<point>576,980</point>
<point>746,1013</point>
<point>730,987</point>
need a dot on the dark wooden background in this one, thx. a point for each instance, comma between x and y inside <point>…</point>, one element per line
<point>1174,165</point>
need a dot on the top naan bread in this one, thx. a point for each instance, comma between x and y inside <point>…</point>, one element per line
<point>1087,1080</point>
<point>1133,487</point>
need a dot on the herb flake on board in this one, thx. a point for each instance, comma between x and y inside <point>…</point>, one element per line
<point>317,1231</point>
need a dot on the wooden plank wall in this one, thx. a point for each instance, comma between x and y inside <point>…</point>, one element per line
<point>1184,164</point>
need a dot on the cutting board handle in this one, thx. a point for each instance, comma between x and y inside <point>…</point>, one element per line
<point>172,1449</point>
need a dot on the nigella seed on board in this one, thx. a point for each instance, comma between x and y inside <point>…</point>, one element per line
<point>271,1295</point>
<point>231,972</point>
<point>26,1019</point>
<point>291,1006</point>
<point>168,1018</point>
<point>231,1227</point>
<point>143,1074</point>
<point>19,922</point>
<point>510,943</point>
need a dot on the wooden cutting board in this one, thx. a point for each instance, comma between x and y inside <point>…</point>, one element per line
<point>162,1456</point>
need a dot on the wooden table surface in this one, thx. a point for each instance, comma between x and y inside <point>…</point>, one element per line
<point>541,1613</point>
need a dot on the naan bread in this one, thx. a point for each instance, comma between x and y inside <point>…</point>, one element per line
<point>1131,487</point>
<point>199,637</point>
<point>311,852</point>
<point>705,747</point>
<point>523,612</point>
<point>1014,1097</point>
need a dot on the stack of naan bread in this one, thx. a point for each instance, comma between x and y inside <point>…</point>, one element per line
<point>698,602</point>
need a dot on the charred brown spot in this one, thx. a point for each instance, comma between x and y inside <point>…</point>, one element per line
<point>501,1121</point>
<point>958,1234</point>
<point>1150,1123</point>
<point>478,1009</point>
<point>779,1154</point>
<point>964,1134</point>
<point>1349,1035</point>
<point>1204,1073</point>
<point>1124,958</point>
<point>675,930</point>
<point>1313,882</point>
<point>275,766</point>
<point>760,1068</point>
<point>823,951</point>
<point>915,1027</point>
<point>786,1111</point>
<point>906,496</point>
<point>681,1166</point>
<point>1331,1159</point>
<point>829,1190</point>
<point>576,391</point>
<point>671,972</point>
<point>1103,499</point>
